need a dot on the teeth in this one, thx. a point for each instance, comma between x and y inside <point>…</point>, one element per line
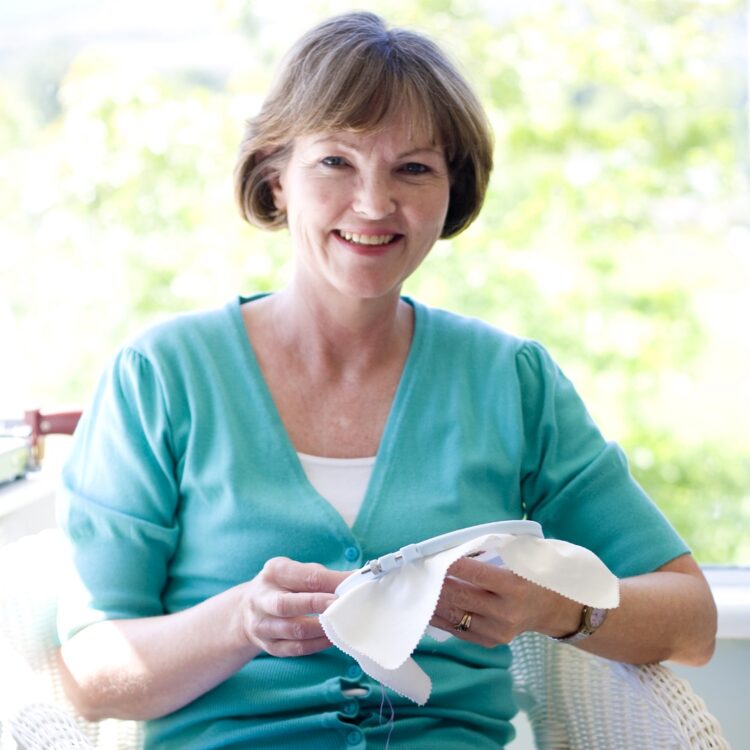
<point>367,239</point>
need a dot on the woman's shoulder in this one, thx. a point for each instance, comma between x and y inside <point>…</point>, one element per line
<point>462,332</point>
<point>179,334</point>
<point>184,353</point>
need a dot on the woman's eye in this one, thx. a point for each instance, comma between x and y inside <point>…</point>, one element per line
<point>333,161</point>
<point>415,168</point>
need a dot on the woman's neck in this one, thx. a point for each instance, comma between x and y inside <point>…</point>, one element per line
<point>332,373</point>
<point>342,334</point>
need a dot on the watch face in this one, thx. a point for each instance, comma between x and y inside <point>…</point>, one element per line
<point>591,619</point>
<point>595,618</point>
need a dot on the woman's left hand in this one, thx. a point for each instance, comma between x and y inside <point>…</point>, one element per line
<point>502,605</point>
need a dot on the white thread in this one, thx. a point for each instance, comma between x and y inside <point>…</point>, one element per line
<point>391,719</point>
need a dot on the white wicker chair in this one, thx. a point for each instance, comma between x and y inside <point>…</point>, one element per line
<point>574,701</point>
<point>34,711</point>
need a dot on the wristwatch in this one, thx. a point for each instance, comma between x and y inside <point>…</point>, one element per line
<point>591,620</point>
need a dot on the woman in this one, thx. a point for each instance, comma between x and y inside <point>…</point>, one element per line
<point>235,465</point>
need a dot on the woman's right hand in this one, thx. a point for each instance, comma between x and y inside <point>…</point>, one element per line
<point>278,603</point>
<point>147,667</point>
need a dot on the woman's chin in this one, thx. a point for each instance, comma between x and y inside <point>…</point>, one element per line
<point>368,288</point>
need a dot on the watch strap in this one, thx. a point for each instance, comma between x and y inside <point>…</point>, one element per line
<point>592,619</point>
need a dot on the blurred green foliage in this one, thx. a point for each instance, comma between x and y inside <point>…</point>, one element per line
<point>613,231</point>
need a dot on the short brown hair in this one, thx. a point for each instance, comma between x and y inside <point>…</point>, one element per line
<point>349,73</point>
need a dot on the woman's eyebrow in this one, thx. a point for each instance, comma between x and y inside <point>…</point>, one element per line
<point>333,139</point>
<point>435,150</point>
<point>343,141</point>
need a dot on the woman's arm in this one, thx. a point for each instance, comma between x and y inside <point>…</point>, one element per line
<point>148,667</point>
<point>667,614</point>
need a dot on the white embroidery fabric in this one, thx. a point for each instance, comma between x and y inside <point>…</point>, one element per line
<point>380,622</point>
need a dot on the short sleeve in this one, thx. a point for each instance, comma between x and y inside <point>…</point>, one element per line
<point>117,503</point>
<point>578,485</point>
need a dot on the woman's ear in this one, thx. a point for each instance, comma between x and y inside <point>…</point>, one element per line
<point>272,163</point>
<point>277,190</point>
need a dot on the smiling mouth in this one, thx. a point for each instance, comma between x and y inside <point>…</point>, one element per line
<point>370,240</point>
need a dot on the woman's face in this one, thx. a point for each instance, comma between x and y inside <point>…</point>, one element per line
<point>363,209</point>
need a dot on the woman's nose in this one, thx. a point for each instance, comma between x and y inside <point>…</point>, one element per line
<point>374,197</point>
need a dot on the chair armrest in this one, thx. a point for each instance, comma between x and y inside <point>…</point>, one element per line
<point>33,705</point>
<point>44,726</point>
<point>579,701</point>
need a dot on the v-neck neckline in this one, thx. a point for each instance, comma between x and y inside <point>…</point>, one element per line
<point>387,448</point>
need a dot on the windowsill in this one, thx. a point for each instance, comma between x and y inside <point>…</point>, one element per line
<point>731,590</point>
<point>27,505</point>
<point>34,487</point>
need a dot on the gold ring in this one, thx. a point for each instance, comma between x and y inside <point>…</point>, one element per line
<point>464,624</point>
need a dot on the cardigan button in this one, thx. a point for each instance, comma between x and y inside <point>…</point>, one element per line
<point>351,554</point>
<point>354,737</point>
<point>354,672</point>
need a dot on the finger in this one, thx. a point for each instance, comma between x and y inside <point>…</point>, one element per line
<point>453,602</point>
<point>458,596</point>
<point>289,629</point>
<point>495,617</point>
<point>297,648</point>
<point>297,576</point>
<point>291,604</point>
<point>485,576</point>
<point>473,635</point>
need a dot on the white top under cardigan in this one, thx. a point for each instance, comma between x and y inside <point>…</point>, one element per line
<point>341,481</point>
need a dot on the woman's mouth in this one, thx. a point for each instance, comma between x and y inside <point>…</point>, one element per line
<point>367,241</point>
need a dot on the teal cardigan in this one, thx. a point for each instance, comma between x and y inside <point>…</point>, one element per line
<point>182,482</point>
